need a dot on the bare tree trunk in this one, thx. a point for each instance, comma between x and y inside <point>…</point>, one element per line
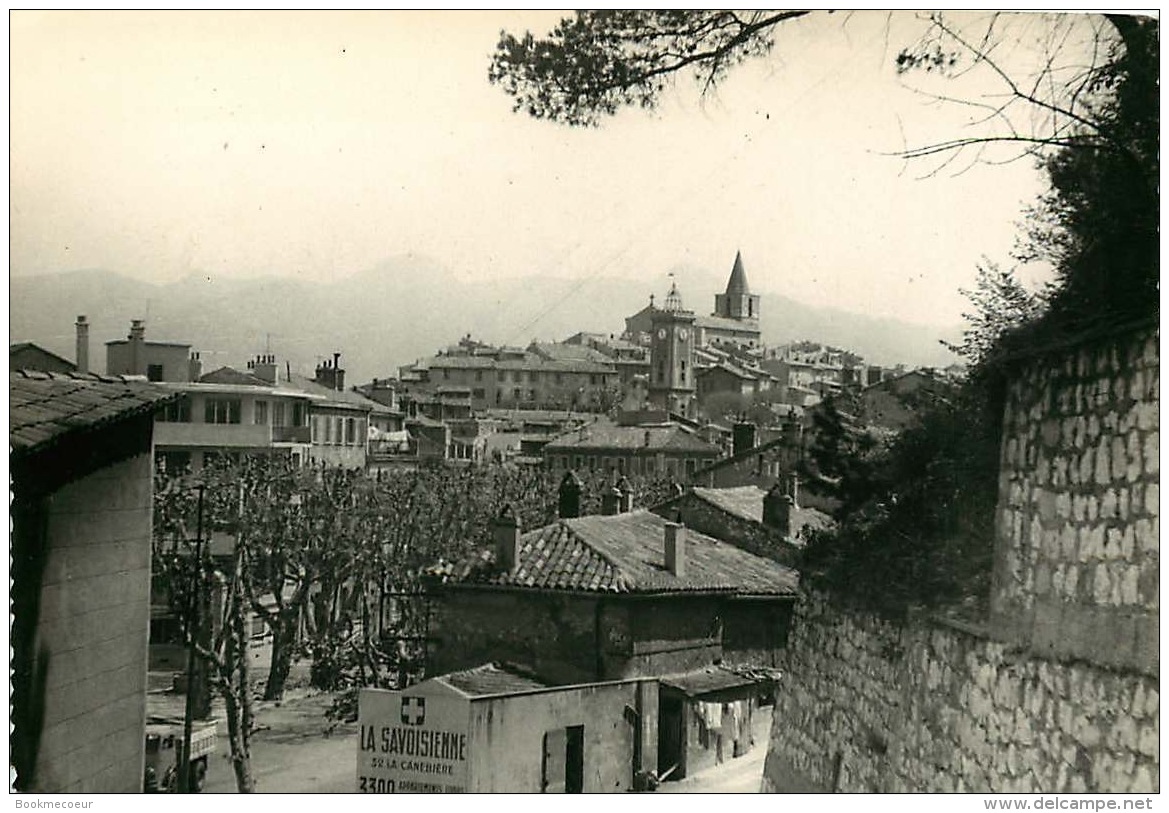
<point>237,694</point>
<point>202,679</point>
<point>283,625</point>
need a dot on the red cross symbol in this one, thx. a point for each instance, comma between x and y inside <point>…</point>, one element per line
<point>413,710</point>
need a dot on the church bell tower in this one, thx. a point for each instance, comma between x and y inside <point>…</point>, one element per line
<point>671,375</point>
<point>737,302</point>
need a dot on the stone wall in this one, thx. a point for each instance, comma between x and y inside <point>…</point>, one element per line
<point>870,706</point>
<point>1059,691</point>
<point>1077,557</point>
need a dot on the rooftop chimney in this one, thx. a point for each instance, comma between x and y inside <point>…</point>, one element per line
<point>82,345</point>
<point>506,531</point>
<point>625,502</point>
<point>790,482</point>
<point>329,374</point>
<point>676,549</point>
<point>569,502</point>
<point>777,510</point>
<point>137,339</point>
<point>194,367</point>
<point>742,437</point>
<point>264,367</point>
<point>610,501</point>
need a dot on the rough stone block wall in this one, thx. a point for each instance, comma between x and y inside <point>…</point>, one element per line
<point>1077,556</point>
<point>869,706</point>
<point>1059,693</point>
<point>93,629</point>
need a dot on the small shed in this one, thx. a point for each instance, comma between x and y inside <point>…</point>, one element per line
<point>499,729</point>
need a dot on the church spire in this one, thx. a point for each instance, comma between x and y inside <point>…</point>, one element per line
<point>737,284</point>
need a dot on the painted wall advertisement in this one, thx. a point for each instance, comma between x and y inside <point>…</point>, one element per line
<point>412,741</point>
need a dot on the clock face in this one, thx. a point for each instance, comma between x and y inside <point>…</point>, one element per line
<point>682,334</point>
<point>661,333</point>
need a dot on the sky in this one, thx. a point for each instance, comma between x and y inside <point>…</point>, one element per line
<point>167,144</point>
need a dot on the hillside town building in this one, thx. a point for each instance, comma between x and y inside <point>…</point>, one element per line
<point>510,378</point>
<point>158,361</point>
<point>229,412</point>
<point>661,449</point>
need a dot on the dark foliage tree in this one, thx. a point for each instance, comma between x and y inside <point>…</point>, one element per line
<point>1099,224</point>
<point>841,454</point>
<point>1000,305</point>
<point>596,62</point>
<point>916,520</point>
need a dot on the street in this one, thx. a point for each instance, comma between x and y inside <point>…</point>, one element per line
<point>291,752</point>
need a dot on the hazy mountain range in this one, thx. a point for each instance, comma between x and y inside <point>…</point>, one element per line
<point>402,310</point>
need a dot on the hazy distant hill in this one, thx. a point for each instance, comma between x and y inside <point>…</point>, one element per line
<point>404,309</point>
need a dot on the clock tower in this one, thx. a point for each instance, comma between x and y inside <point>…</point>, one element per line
<point>671,355</point>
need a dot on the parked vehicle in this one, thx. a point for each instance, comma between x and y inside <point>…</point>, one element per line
<point>164,744</point>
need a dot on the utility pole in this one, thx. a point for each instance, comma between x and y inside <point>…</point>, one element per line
<point>196,620</point>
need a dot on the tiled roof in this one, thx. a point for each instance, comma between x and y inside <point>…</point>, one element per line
<point>461,362</point>
<point>528,361</point>
<point>632,438</point>
<point>13,349</point>
<point>556,365</point>
<point>723,323</point>
<point>568,352</point>
<point>746,502</point>
<point>738,372</point>
<point>46,407</point>
<point>340,397</point>
<point>625,553</point>
<point>538,415</point>
<point>491,678</point>
<point>230,375</point>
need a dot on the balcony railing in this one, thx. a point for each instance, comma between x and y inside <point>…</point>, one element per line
<point>291,434</point>
<point>227,435</point>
